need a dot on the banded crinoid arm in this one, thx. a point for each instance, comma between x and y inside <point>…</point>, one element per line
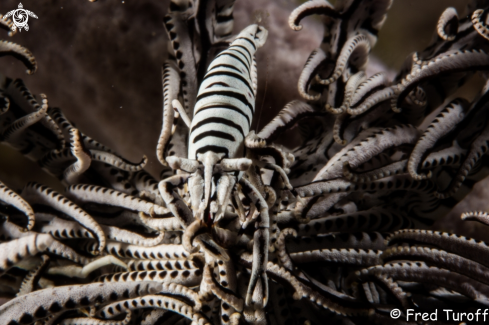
<point>16,250</point>
<point>360,240</point>
<point>27,309</point>
<point>6,24</point>
<point>30,130</point>
<point>438,258</point>
<point>179,32</point>
<point>459,245</point>
<point>19,52</point>
<point>479,20</point>
<point>323,296</point>
<point>43,195</point>
<point>339,56</point>
<point>65,229</point>
<point>447,26</point>
<point>171,83</point>
<point>162,251</point>
<point>156,301</point>
<point>444,123</point>
<point>11,198</point>
<point>374,219</point>
<point>366,146</point>
<point>286,118</point>
<point>103,195</point>
<point>184,277</point>
<point>420,272</point>
<point>445,63</point>
<point>16,128</point>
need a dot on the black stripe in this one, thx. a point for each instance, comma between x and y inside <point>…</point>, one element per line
<point>230,74</point>
<point>217,134</point>
<point>230,107</point>
<point>242,98</point>
<point>235,57</point>
<point>224,66</point>
<point>216,149</point>
<point>248,40</point>
<point>248,58</point>
<point>218,120</point>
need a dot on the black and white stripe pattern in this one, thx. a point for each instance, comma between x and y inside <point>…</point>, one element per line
<point>226,100</point>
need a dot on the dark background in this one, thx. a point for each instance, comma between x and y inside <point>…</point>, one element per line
<point>101,63</point>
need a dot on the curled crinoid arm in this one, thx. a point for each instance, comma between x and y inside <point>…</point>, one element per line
<point>220,292</point>
<point>460,245</point>
<point>73,172</point>
<point>39,303</point>
<point>11,198</point>
<point>337,129</point>
<point>43,195</point>
<point>49,122</point>
<point>477,149</point>
<point>479,21</point>
<point>4,103</point>
<point>19,52</point>
<point>178,31</point>
<point>447,26</point>
<point>438,258</point>
<point>84,271</point>
<point>395,168</point>
<point>65,125</point>
<point>365,147</point>
<point>351,85</point>
<point>422,273</point>
<point>6,24</point>
<point>372,294</point>
<point>481,216</point>
<point>260,245</point>
<point>279,170</point>
<point>154,301</point>
<point>160,224</point>
<point>313,7</point>
<point>461,60</point>
<point>360,257</point>
<point>286,118</point>
<point>309,72</point>
<point>103,195</point>
<point>444,122</point>
<point>171,82</point>
<point>28,285</point>
<point>377,81</point>
<point>322,296</point>
<point>15,251</point>
<point>367,103</point>
<point>188,278</point>
<point>173,201</point>
<point>113,160</point>
<point>355,51</point>
<point>281,250</point>
<point>19,126</point>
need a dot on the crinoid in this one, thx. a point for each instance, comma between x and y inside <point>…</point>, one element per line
<point>239,229</point>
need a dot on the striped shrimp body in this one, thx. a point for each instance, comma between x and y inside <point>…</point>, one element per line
<point>223,114</point>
